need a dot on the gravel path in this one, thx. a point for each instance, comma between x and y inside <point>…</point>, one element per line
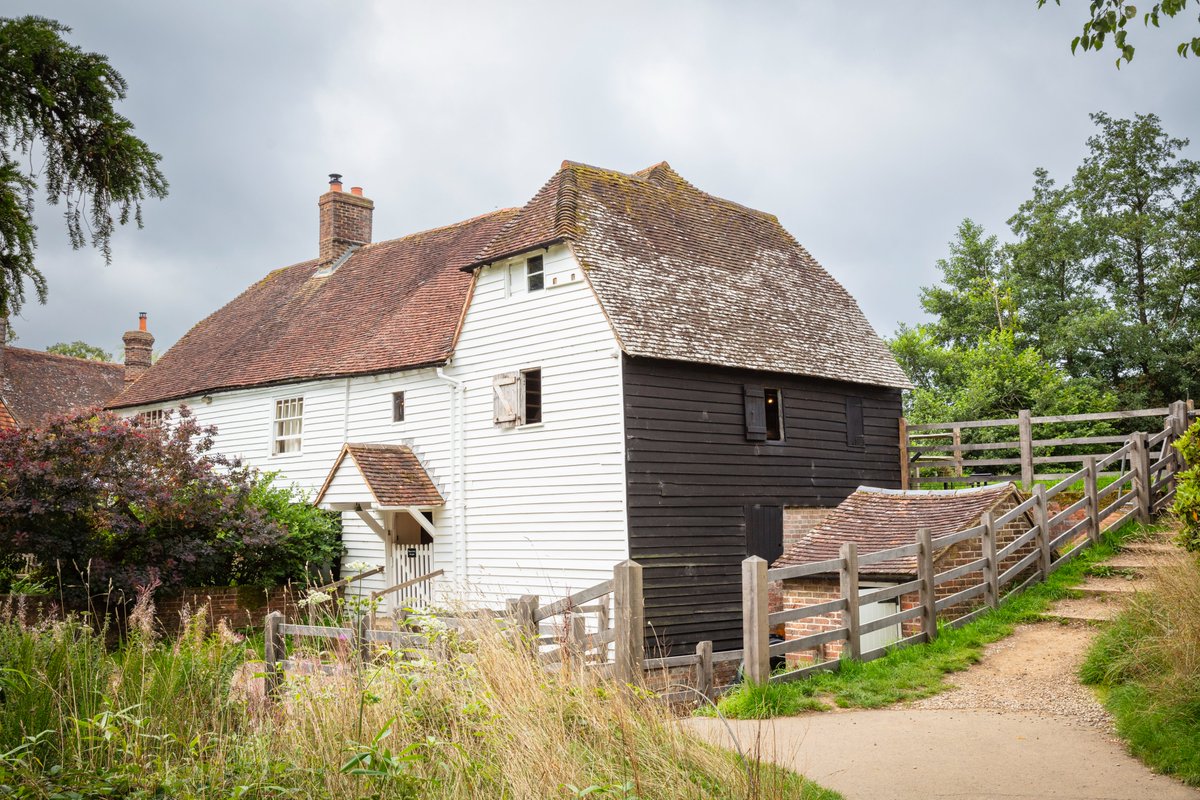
<point>1032,670</point>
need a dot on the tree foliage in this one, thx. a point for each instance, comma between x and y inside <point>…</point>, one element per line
<point>1096,299</point>
<point>1110,18</point>
<point>78,349</point>
<point>57,114</point>
<point>109,504</point>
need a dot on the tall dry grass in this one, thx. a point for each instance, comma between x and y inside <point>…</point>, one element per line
<point>1147,665</point>
<point>185,717</point>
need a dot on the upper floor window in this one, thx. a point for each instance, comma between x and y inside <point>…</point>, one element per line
<point>517,398</point>
<point>397,406</point>
<point>531,396</point>
<point>156,416</point>
<point>764,414</point>
<point>855,430</point>
<point>289,418</point>
<point>535,274</point>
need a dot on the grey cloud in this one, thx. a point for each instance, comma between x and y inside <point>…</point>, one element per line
<point>870,130</point>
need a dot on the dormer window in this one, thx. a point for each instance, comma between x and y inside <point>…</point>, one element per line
<point>535,274</point>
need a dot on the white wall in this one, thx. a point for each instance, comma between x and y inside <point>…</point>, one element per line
<point>545,504</point>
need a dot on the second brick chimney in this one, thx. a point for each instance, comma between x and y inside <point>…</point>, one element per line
<point>139,345</point>
<point>345,220</point>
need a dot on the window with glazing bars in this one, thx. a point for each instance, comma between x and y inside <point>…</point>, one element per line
<point>289,414</point>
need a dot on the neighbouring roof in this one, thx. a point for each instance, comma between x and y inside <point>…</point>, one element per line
<point>392,472</point>
<point>36,385</point>
<point>687,276</point>
<point>391,305</point>
<point>878,519</point>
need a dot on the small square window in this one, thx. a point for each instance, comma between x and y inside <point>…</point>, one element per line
<point>535,275</point>
<point>289,418</point>
<point>531,386</point>
<point>397,406</point>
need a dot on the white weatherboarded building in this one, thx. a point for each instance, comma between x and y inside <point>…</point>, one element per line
<point>624,367</point>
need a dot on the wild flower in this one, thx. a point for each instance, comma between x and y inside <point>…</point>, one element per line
<point>314,598</point>
<point>359,566</point>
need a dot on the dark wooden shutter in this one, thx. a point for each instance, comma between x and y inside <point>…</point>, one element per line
<point>756,413</point>
<point>764,532</point>
<point>854,422</point>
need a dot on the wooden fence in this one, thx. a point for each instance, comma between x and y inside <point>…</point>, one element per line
<point>1141,489</point>
<point>941,453</point>
<point>582,631</point>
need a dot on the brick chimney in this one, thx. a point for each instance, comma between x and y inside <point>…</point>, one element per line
<point>138,346</point>
<point>345,220</point>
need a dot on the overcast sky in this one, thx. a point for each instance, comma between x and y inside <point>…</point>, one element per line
<point>871,129</point>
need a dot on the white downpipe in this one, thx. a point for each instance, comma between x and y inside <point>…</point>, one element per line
<point>457,471</point>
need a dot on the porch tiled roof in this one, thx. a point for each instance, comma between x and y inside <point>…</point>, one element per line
<point>392,472</point>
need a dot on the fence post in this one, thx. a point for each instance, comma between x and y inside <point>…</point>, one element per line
<point>1090,491</point>
<point>524,610</point>
<point>704,668</point>
<point>991,570</point>
<point>904,468</point>
<point>273,653</point>
<point>1179,418</point>
<point>958,457</point>
<point>928,594</point>
<point>628,603</point>
<point>849,587</point>
<point>1041,515</point>
<point>1141,476</point>
<point>756,633</point>
<point>1025,427</point>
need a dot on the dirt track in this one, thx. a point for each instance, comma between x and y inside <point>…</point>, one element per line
<point>1017,726</point>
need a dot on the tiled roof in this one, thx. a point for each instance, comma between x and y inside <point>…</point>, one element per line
<point>392,305</point>
<point>36,385</point>
<point>687,276</point>
<point>878,519</point>
<point>392,472</point>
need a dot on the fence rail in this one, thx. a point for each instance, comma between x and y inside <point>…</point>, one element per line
<point>1141,487</point>
<point>940,454</point>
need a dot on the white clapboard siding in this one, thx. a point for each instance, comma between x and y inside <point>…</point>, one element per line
<point>545,503</point>
<point>244,427</point>
<point>544,508</point>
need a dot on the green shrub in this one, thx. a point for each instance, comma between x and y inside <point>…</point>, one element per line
<point>311,544</point>
<point>1187,489</point>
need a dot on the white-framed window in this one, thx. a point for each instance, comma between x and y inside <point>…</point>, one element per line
<point>156,416</point>
<point>535,274</point>
<point>288,426</point>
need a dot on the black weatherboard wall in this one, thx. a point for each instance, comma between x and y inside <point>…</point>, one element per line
<point>703,484</point>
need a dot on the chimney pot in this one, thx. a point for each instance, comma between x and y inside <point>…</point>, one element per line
<point>335,182</point>
<point>356,191</point>
<point>141,320</point>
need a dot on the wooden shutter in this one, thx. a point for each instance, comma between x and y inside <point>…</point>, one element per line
<point>506,398</point>
<point>764,532</point>
<point>855,436</point>
<point>756,413</point>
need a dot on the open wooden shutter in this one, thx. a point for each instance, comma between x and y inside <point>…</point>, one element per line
<point>506,398</point>
<point>756,413</point>
<point>764,532</point>
<point>855,436</point>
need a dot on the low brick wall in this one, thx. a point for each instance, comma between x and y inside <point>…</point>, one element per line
<point>239,606</point>
<point>800,592</point>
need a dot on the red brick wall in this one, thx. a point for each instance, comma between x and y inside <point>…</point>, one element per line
<point>798,521</point>
<point>240,606</point>
<point>801,592</point>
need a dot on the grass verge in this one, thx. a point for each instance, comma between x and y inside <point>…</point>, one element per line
<point>186,718</point>
<point>920,671</point>
<point>1146,665</point>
